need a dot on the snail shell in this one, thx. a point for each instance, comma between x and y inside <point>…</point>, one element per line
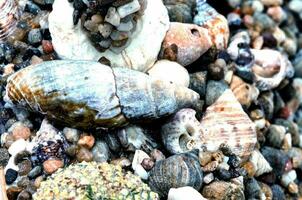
<point>270,68</point>
<point>176,171</point>
<point>225,122</point>
<point>87,94</point>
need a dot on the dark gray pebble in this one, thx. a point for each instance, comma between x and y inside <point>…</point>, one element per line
<point>10,176</point>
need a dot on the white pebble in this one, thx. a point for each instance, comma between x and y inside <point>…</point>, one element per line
<point>17,147</point>
<point>128,8</point>
<point>187,193</point>
<point>288,177</point>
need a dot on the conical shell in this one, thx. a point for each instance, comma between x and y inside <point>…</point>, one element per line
<point>87,94</point>
<point>225,122</point>
<point>176,171</point>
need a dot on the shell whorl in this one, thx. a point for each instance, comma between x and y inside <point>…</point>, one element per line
<point>176,171</point>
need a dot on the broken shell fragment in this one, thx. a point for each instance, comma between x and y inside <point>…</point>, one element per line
<point>186,43</point>
<point>182,132</point>
<point>270,68</point>
<point>226,122</point>
<point>260,164</point>
<point>187,193</point>
<point>169,173</point>
<point>100,96</point>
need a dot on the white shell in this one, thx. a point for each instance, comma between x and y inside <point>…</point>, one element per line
<point>261,165</point>
<point>170,71</point>
<point>182,193</point>
<point>71,42</point>
<point>136,164</point>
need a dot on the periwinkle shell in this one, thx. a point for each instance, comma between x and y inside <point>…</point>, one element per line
<point>176,171</point>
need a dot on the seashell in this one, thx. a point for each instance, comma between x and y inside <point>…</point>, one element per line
<point>176,171</point>
<point>260,164</point>
<point>139,170</point>
<point>216,24</point>
<point>185,43</point>
<point>71,42</point>
<point>244,92</point>
<point>187,193</point>
<point>9,15</point>
<point>222,190</point>
<point>170,71</point>
<point>134,137</point>
<point>225,122</point>
<point>100,96</point>
<point>181,132</point>
<point>270,68</point>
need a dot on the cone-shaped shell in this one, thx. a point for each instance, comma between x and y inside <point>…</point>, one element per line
<point>176,171</point>
<point>225,122</point>
<point>87,94</point>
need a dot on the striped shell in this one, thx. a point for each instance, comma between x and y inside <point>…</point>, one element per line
<point>225,122</point>
<point>176,171</point>
<point>87,94</point>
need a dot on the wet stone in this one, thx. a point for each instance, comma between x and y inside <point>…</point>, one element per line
<point>36,171</point>
<point>10,176</point>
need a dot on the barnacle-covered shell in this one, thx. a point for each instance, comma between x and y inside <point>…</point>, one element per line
<point>270,68</point>
<point>216,23</point>
<point>71,42</point>
<point>182,132</point>
<point>176,171</point>
<point>185,43</point>
<point>87,94</point>
<point>225,122</point>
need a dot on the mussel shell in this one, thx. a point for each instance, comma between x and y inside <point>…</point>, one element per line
<point>176,171</point>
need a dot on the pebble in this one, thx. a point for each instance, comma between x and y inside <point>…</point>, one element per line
<point>20,131</point>
<point>86,141</point>
<point>217,70</point>
<point>24,195</point>
<point>139,170</point>
<point>18,146</point>
<point>252,189</point>
<point>10,176</point>
<point>38,181</point>
<point>198,82</point>
<point>34,37</point>
<point>288,177</point>
<point>105,29</point>
<point>36,171</point>
<point>276,135</point>
<point>123,162</point>
<point>84,155</point>
<point>113,17</point>
<point>52,165</point>
<point>4,157</point>
<point>208,178</point>
<point>128,8</point>
<point>13,192</point>
<point>24,167</point>
<point>71,135</point>
<point>100,151</point>
<point>269,3</point>
<point>157,155</point>
<point>222,190</point>
<point>47,46</point>
<point>214,90</point>
<point>278,193</point>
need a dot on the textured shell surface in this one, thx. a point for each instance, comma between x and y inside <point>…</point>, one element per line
<point>270,68</point>
<point>176,171</point>
<point>225,122</point>
<point>71,42</point>
<point>216,23</point>
<point>182,132</point>
<point>87,94</point>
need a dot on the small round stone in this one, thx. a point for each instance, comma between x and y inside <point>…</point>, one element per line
<point>10,176</point>
<point>147,163</point>
<point>86,141</point>
<point>38,181</point>
<point>24,195</point>
<point>20,131</point>
<point>84,155</point>
<point>47,46</point>
<point>4,157</point>
<point>24,167</point>
<point>34,36</point>
<point>23,182</point>
<point>52,165</point>
<point>36,171</point>
<point>71,135</point>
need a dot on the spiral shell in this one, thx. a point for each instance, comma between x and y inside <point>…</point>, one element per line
<point>87,94</point>
<point>225,122</point>
<point>176,171</point>
<point>270,68</point>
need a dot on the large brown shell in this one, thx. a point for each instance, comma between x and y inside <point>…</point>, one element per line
<point>225,122</point>
<point>176,171</point>
<point>87,94</point>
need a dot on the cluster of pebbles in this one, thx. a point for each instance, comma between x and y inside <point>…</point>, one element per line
<point>109,23</point>
<point>247,127</point>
